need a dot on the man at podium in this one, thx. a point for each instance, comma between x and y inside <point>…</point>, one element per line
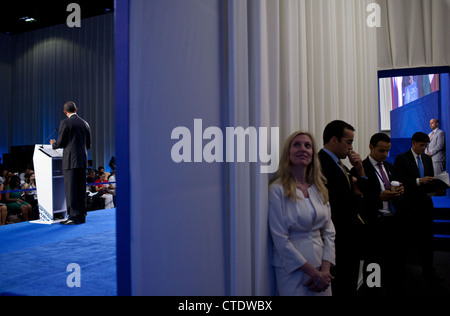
<point>75,138</point>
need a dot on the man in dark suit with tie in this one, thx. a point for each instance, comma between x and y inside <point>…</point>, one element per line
<point>415,171</point>
<point>381,202</point>
<point>338,144</point>
<point>75,138</point>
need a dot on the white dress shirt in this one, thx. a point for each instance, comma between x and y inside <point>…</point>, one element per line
<point>385,209</point>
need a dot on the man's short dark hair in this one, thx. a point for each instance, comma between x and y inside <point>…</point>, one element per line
<point>70,107</point>
<point>379,137</point>
<point>335,128</point>
<point>420,137</point>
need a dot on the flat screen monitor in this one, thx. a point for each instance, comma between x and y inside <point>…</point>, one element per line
<point>399,91</point>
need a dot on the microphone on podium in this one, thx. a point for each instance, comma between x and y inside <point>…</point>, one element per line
<point>45,142</point>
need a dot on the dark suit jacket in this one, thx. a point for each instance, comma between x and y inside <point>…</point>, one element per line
<point>416,202</point>
<point>75,138</point>
<point>342,199</point>
<point>371,189</point>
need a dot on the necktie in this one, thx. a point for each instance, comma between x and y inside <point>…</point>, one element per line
<point>345,171</point>
<point>387,184</point>
<point>349,184</point>
<point>420,166</point>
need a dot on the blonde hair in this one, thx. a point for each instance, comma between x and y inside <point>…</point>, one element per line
<point>286,176</point>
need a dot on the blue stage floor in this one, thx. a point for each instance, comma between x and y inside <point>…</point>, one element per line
<point>34,257</point>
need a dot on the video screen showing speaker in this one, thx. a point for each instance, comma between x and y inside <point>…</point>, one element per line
<point>399,91</point>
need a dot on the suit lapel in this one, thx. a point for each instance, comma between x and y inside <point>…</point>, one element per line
<point>369,169</point>
<point>412,165</point>
<point>336,170</point>
<point>388,169</point>
<point>372,173</point>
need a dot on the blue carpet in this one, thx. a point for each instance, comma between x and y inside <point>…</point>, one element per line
<point>34,258</point>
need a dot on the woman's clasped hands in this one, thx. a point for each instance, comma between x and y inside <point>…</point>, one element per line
<point>320,281</point>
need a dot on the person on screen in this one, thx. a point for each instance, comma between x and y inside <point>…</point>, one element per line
<point>75,138</point>
<point>436,148</point>
<point>300,221</point>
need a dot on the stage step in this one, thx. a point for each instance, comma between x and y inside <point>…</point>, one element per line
<point>441,227</point>
<point>441,242</point>
<point>442,214</point>
<point>442,223</point>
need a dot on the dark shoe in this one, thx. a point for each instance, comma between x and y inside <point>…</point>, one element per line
<point>73,221</point>
<point>64,222</point>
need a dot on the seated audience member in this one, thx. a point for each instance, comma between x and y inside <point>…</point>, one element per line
<point>112,186</point>
<point>104,189</point>
<point>102,169</point>
<point>14,202</point>
<point>4,174</point>
<point>3,209</point>
<point>8,176</point>
<point>23,175</point>
<point>31,196</point>
<point>91,178</point>
<point>3,214</point>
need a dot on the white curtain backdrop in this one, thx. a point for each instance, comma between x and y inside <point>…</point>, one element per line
<point>293,64</point>
<point>50,66</point>
<point>414,33</point>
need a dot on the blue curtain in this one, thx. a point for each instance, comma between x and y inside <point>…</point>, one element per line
<point>5,89</point>
<point>50,66</point>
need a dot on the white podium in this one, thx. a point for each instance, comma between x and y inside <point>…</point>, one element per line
<point>49,185</point>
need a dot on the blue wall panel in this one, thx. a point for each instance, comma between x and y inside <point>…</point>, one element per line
<point>415,116</point>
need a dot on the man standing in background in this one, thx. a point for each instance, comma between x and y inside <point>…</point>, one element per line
<point>436,148</point>
<point>75,138</point>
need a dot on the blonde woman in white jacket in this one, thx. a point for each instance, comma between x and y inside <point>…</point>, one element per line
<point>300,221</point>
